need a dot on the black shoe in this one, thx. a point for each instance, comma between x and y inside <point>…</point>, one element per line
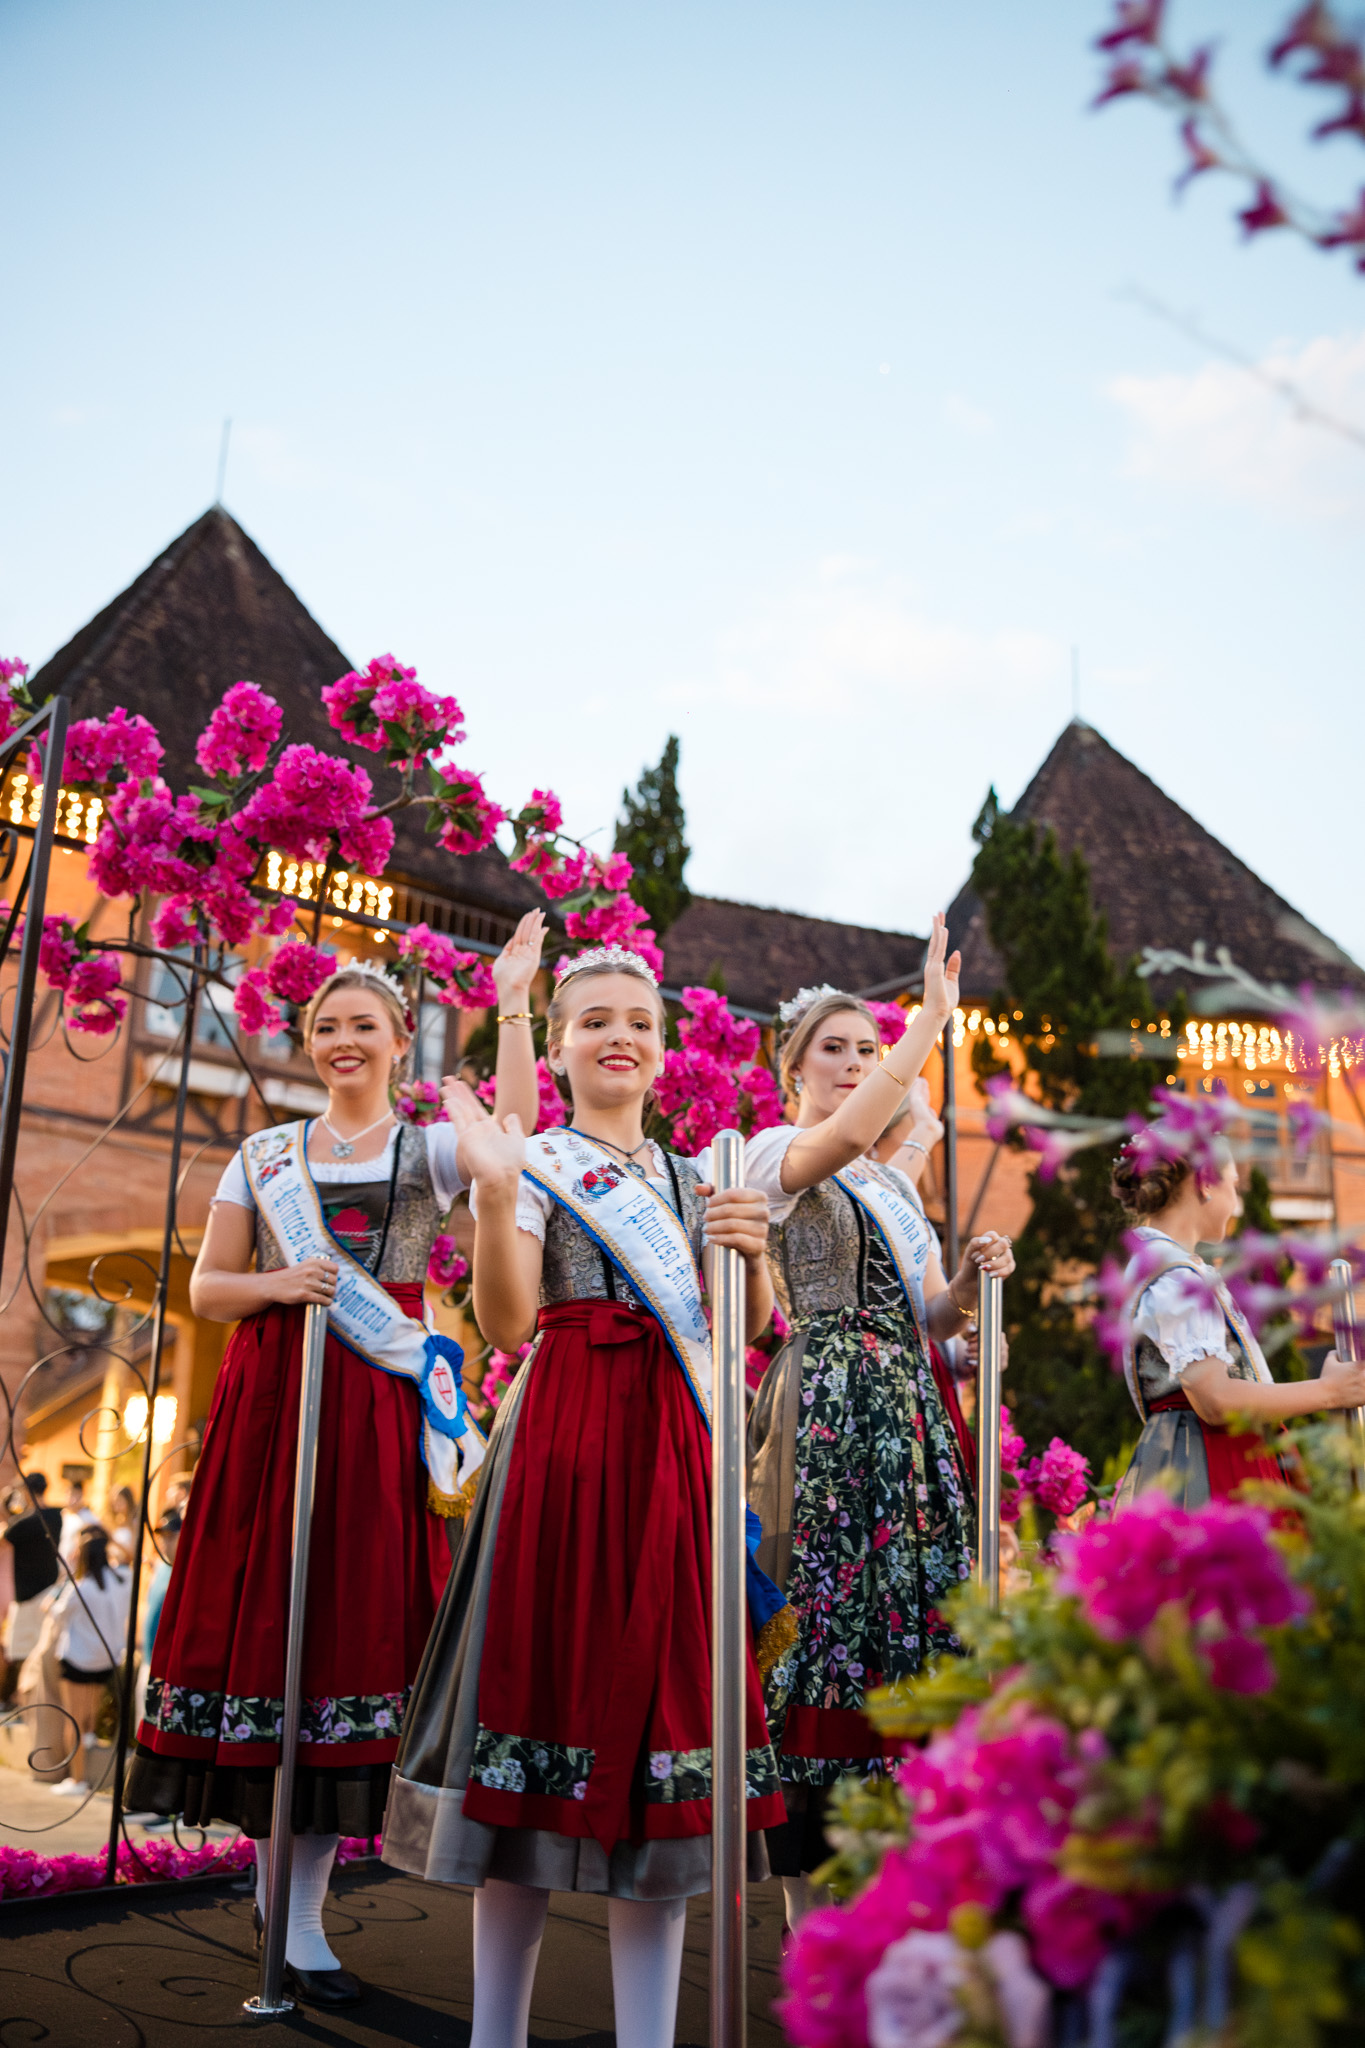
<point>323,1987</point>
<point>258,1925</point>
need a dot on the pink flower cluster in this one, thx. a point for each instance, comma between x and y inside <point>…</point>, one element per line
<point>294,974</point>
<point>622,923</point>
<point>238,737</point>
<point>24,1873</point>
<point>15,703</point>
<point>551,1112</point>
<point>469,817</point>
<point>1217,1562</point>
<point>100,751</point>
<point>502,1367</point>
<point>419,1103</point>
<point>891,1021</point>
<point>310,797</point>
<point>87,979</point>
<point>711,1083</point>
<point>992,1803</point>
<point>445,1267</point>
<point>1059,1480</point>
<point>462,979</point>
<point>386,710</point>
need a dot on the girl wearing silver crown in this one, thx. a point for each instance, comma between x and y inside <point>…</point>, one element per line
<point>341,1210</point>
<point>560,1734</point>
<point>855,1470</point>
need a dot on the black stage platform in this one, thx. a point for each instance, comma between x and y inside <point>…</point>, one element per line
<point>156,1971</point>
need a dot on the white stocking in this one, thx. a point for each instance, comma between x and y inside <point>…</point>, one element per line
<point>509,1920</point>
<point>310,1871</point>
<point>800,1897</point>
<point>646,1963</point>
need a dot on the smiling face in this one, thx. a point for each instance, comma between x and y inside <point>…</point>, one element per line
<point>608,1039</point>
<point>353,1044</point>
<point>843,1051</point>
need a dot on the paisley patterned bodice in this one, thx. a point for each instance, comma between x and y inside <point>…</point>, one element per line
<point>355,1211</point>
<point>827,1255</point>
<point>575,1269</point>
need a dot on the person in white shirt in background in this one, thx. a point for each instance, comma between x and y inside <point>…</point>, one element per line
<point>76,1516</point>
<point>88,1622</point>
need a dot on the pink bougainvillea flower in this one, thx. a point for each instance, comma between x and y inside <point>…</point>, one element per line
<point>251,1001</point>
<point>551,1113</point>
<point>1198,155</point>
<point>297,971</point>
<point>469,817</point>
<point>1265,211</point>
<point>1059,1480</point>
<point>1135,21</point>
<point>419,1103</point>
<point>238,737</point>
<point>891,1021</point>
<point>104,750</point>
<point>446,1267</point>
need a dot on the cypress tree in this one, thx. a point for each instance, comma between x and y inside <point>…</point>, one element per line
<point>650,832</point>
<point>1062,989</point>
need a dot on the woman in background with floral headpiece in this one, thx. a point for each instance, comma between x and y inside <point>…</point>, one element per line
<point>560,1736</point>
<point>372,1195</point>
<point>1191,1359</point>
<point>855,1469</point>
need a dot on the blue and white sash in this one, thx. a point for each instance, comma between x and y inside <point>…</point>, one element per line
<point>901,1226</point>
<point>363,1314</point>
<point>641,1235</point>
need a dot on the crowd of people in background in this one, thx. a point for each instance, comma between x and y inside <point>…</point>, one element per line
<point>65,1631</point>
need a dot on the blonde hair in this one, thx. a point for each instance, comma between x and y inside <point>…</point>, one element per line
<point>355,977</point>
<point>556,1016</point>
<point>796,1044</point>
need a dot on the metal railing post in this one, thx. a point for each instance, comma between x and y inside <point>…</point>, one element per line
<point>729,1638</point>
<point>1344,1330</point>
<point>270,1999</point>
<point>950,1243</point>
<point>989,1324</point>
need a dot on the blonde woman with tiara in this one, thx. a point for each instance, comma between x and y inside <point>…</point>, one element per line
<point>340,1210</point>
<point>560,1735</point>
<point>855,1469</point>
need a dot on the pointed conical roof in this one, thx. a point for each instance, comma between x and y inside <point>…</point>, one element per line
<point>1158,876</point>
<point>208,611</point>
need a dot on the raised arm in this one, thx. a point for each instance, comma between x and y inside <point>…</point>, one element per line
<point>513,972</point>
<point>507,1261</point>
<point>223,1287</point>
<point>858,1123</point>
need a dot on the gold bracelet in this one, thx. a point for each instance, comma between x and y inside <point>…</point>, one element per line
<point>884,1069</point>
<point>516,1017</point>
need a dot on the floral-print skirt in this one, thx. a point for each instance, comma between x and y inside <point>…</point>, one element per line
<point>881,1528</point>
<point>379,1559</point>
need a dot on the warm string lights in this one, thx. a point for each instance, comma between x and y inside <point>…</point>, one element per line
<point>78,816</point>
<point>346,892</point>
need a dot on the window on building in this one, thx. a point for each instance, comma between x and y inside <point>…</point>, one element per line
<point>429,1062</point>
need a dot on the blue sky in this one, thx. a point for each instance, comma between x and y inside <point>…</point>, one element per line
<point>760,372</point>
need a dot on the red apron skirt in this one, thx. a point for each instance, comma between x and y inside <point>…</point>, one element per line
<point>1232,1460</point>
<point>594,1690</point>
<point>377,1566</point>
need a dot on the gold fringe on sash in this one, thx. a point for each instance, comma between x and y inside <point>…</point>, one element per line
<point>777,1635</point>
<point>453,1507</point>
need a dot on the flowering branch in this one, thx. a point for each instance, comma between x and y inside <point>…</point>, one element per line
<point>1142,63</point>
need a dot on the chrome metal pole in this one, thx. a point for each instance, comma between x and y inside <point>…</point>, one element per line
<point>729,1902</point>
<point>270,1999</point>
<point>1344,1329</point>
<point>989,1323</point>
<point>950,1193</point>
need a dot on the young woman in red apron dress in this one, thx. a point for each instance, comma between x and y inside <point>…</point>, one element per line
<point>208,1744</point>
<point>1192,1362</point>
<point>559,1736</point>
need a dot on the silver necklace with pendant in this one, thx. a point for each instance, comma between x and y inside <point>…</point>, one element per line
<point>628,1159</point>
<point>344,1148</point>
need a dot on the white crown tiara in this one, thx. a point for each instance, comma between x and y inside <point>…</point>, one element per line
<point>802,1000</point>
<point>619,957</point>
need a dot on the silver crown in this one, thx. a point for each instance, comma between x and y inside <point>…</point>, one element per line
<point>619,957</point>
<point>802,1000</point>
<point>395,988</point>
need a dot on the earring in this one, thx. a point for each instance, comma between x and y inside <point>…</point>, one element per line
<point>796,1084</point>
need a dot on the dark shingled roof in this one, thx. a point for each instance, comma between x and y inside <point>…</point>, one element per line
<point>207,612</point>
<point>1158,876</point>
<point>767,955</point>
